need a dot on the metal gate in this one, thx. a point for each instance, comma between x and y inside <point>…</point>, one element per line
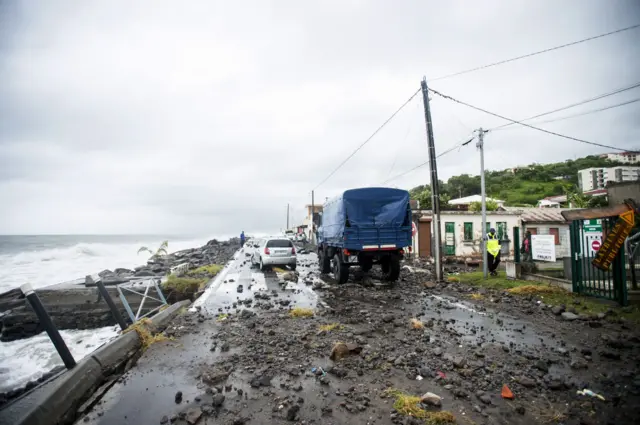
<point>449,239</point>
<point>587,237</point>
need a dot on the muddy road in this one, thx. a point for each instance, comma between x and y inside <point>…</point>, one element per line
<point>241,356</point>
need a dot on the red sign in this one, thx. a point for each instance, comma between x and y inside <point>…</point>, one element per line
<point>414,229</point>
<point>595,245</point>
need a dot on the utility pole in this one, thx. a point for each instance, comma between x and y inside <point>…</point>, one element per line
<point>313,224</point>
<point>435,189</point>
<point>287,217</point>
<point>480,146</point>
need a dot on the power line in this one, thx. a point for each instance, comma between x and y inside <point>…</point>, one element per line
<point>581,113</point>
<point>456,146</point>
<point>526,125</point>
<point>623,89</point>
<point>536,53</point>
<point>369,139</point>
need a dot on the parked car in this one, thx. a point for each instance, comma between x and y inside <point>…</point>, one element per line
<point>275,251</point>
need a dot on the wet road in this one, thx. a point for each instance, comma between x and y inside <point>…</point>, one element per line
<point>165,368</point>
<point>145,394</point>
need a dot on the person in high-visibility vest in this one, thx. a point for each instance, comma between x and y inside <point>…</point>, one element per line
<point>493,252</point>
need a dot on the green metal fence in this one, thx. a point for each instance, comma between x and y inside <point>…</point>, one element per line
<point>586,239</point>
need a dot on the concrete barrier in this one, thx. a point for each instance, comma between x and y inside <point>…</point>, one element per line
<point>59,403</point>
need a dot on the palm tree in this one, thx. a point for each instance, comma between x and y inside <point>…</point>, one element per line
<point>161,251</point>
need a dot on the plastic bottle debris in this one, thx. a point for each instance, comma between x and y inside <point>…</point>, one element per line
<point>590,393</point>
<point>419,378</point>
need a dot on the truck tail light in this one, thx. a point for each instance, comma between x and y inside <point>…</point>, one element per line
<point>267,252</point>
<point>293,250</point>
<point>346,252</point>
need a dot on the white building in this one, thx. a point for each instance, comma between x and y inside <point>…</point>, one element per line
<point>307,221</point>
<point>626,157</point>
<point>597,178</point>
<point>545,221</point>
<point>468,200</point>
<point>461,232</point>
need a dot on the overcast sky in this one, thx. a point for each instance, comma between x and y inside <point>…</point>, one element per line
<point>208,117</point>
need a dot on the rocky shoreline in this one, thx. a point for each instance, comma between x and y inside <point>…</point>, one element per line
<point>78,304</point>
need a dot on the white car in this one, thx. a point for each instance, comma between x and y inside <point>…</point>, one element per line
<point>276,251</point>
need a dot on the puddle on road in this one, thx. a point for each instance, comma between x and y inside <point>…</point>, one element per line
<point>242,282</point>
<point>480,328</point>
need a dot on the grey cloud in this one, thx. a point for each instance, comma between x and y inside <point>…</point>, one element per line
<point>119,117</point>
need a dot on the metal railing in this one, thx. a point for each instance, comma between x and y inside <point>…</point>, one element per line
<point>137,316</point>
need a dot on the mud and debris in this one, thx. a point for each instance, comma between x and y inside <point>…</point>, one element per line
<point>497,358</point>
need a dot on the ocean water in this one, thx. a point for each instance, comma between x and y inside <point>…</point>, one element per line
<point>49,259</point>
<point>28,359</point>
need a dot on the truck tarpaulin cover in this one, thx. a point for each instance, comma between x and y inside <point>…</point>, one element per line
<point>377,207</point>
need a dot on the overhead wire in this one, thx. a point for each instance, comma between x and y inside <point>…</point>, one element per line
<point>573,43</point>
<point>592,111</point>
<point>368,139</point>
<point>395,157</point>
<point>573,105</point>
<point>456,146</point>
<point>526,125</point>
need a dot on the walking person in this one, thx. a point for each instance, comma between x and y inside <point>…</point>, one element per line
<point>493,252</point>
<point>242,239</point>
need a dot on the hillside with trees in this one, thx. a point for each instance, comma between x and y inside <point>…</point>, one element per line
<point>522,186</point>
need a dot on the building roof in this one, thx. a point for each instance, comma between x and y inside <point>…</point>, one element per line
<point>595,192</point>
<point>473,198</point>
<point>557,198</point>
<point>539,215</point>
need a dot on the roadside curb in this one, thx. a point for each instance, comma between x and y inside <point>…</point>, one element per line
<point>60,402</point>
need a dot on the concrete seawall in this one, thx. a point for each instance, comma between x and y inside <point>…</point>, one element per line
<point>57,401</point>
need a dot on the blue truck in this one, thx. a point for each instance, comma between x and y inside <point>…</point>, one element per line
<point>363,227</point>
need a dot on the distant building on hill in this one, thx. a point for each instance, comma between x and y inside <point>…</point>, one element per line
<point>463,203</point>
<point>626,157</point>
<point>597,178</point>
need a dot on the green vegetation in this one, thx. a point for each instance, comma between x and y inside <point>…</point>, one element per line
<point>490,205</point>
<point>161,251</point>
<point>182,288</point>
<point>301,312</point>
<point>146,332</point>
<point>330,327</point>
<point>409,405</point>
<point>522,186</point>
<point>548,294</point>
<point>210,270</point>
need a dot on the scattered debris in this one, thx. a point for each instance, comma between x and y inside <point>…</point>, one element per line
<point>506,392</point>
<point>341,350</point>
<point>417,324</point>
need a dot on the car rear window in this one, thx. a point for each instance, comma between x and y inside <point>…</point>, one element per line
<point>279,243</point>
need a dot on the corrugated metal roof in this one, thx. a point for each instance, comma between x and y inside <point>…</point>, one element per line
<point>540,215</point>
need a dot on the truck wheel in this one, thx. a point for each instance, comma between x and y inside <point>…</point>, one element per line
<point>340,270</point>
<point>393,269</point>
<point>325,262</point>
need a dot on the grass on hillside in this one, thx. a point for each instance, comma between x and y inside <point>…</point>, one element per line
<point>551,295</point>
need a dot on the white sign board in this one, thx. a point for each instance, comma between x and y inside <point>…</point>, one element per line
<point>543,247</point>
